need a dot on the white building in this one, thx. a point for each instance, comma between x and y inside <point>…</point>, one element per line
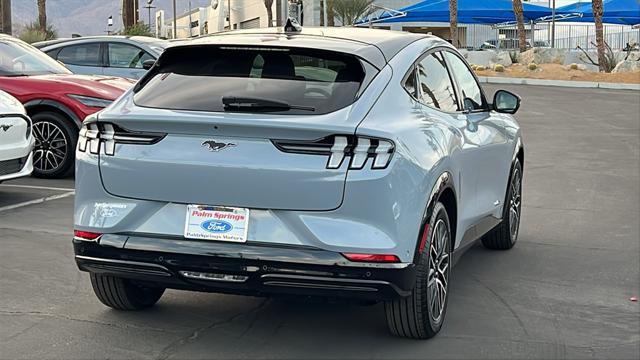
<point>223,15</point>
<point>244,14</point>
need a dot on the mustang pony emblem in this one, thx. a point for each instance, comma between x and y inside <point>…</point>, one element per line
<point>212,145</point>
<point>5,127</point>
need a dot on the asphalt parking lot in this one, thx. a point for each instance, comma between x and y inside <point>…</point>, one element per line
<point>563,292</point>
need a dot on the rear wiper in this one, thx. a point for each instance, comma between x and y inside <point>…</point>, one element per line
<point>234,103</point>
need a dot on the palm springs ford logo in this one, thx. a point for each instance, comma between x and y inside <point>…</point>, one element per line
<point>216,226</point>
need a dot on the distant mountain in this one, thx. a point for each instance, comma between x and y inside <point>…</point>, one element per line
<point>88,17</point>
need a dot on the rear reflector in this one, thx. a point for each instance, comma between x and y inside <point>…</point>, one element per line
<point>377,258</point>
<point>423,240</point>
<point>85,235</point>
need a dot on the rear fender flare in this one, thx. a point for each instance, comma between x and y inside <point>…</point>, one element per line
<point>444,181</point>
<point>56,105</point>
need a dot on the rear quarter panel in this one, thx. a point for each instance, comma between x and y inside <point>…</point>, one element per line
<point>425,148</point>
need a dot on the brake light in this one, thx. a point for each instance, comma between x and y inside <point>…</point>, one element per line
<point>356,149</point>
<point>378,258</point>
<point>93,136</point>
<point>85,235</point>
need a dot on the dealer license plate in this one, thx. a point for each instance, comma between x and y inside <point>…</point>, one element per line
<point>216,223</point>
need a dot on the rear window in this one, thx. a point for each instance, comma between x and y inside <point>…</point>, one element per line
<point>199,77</point>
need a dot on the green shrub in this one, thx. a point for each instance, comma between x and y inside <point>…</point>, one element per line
<point>573,66</point>
<point>532,66</point>
<point>498,68</point>
<point>139,29</point>
<point>480,68</point>
<point>32,33</point>
<point>514,56</point>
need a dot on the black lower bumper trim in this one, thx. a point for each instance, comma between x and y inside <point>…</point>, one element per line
<point>261,277</point>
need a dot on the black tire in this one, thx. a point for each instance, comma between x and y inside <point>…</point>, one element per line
<point>505,235</point>
<point>52,158</point>
<point>122,294</point>
<point>413,316</point>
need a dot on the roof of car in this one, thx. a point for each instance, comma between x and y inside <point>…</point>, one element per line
<point>139,39</point>
<point>374,45</point>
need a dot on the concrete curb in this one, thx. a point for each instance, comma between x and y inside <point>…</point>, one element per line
<point>562,83</point>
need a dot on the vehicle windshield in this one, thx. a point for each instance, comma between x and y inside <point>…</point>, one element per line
<point>287,80</point>
<point>20,59</point>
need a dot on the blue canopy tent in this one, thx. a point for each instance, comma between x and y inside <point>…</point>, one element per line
<point>469,12</point>
<point>624,12</point>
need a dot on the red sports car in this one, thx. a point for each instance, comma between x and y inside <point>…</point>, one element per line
<point>56,100</point>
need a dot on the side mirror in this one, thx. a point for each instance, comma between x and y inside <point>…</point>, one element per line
<point>148,64</point>
<point>506,102</point>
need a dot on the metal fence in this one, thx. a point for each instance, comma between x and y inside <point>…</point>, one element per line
<point>583,35</point>
<point>567,36</point>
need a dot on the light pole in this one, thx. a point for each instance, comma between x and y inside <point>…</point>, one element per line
<point>553,25</point>
<point>175,25</point>
<point>229,10</point>
<point>149,7</point>
<point>190,20</point>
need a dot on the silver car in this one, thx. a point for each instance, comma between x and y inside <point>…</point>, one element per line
<point>342,162</point>
<point>121,56</point>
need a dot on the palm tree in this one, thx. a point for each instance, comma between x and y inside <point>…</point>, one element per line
<point>42,15</point>
<point>348,11</point>
<point>598,10</point>
<point>269,5</point>
<point>5,16</point>
<point>331,15</point>
<point>522,36</point>
<point>453,21</point>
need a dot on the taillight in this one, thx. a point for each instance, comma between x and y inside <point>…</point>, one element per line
<point>93,136</point>
<point>356,149</point>
<point>377,258</point>
<point>85,235</point>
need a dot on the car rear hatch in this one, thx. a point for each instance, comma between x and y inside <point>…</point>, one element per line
<point>244,127</point>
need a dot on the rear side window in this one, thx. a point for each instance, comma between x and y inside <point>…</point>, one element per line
<point>472,98</point>
<point>434,84</point>
<point>127,56</point>
<point>83,54</point>
<point>199,77</point>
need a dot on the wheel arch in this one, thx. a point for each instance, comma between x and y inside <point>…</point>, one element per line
<point>518,153</point>
<point>39,105</point>
<point>443,191</point>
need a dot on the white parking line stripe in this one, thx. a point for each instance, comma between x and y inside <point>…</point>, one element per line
<point>36,187</point>
<point>37,201</point>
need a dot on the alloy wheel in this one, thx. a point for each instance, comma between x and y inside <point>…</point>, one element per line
<point>515,203</point>
<point>439,261</point>
<point>50,149</point>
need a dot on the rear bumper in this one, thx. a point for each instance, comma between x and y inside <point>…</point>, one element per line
<point>245,269</point>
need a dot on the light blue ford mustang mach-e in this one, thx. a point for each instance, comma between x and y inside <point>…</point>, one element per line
<point>337,162</point>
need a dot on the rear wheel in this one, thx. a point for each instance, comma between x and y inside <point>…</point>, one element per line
<point>505,235</point>
<point>54,151</point>
<point>123,294</point>
<point>421,314</point>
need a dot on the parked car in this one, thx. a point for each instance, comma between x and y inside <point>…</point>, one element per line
<point>56,100</point>
<point>340,162</point>
<point>503,44</point>
<point>16,139</point>
<point>122,56</point>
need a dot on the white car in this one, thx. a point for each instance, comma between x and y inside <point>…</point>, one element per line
<point>16,139</point>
